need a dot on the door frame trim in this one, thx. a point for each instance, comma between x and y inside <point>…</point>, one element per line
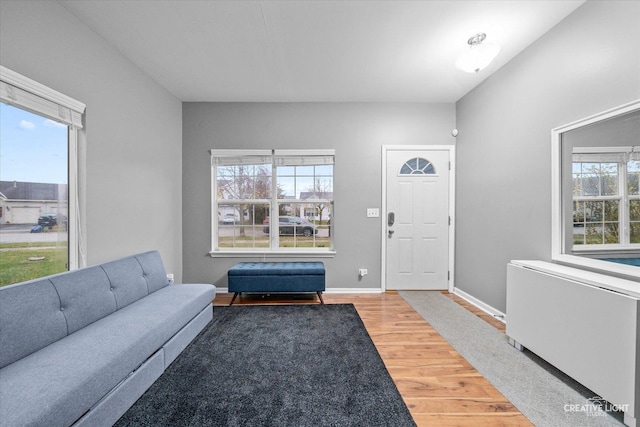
<point>452,203</point>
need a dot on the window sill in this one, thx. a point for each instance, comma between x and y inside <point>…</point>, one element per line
<point>599,266</point>
<point>272,254</point>
<point>607,250</point>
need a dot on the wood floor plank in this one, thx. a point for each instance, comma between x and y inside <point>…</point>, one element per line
<point>471,420</point>
<point>438,385</point>
<point>440,370</point>
<point>458,406</point>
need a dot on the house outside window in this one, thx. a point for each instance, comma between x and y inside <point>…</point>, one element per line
<point>606,199</point>
<point>251,187</point>
<point>38,180</point>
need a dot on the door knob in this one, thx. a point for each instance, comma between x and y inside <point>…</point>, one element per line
<point>390,233</point>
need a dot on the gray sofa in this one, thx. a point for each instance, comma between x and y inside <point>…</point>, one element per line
<point>79,348</point>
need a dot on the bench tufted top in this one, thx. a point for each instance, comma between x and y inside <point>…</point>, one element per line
<point>277,269</point>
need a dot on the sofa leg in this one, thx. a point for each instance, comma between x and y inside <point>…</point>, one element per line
<point>320,296</point>
<point>235,295</point>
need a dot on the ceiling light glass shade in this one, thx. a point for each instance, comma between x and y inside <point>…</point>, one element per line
<point>478,56</point>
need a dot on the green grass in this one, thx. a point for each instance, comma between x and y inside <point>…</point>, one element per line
<point>15,265</point>
<point>306,243</point>
<point>285,242</point>
<point>28,245</point>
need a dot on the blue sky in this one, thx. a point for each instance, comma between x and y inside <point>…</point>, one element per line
<point>32,148</point>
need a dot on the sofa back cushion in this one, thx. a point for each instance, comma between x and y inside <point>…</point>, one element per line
<point>30,319</point>
<point>153,270</point>
<point>127,280</point>
<point>85,296</point>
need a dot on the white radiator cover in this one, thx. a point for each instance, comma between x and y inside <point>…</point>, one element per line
<point>575,321</point>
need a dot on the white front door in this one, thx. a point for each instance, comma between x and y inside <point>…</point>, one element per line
<point>417,218</point>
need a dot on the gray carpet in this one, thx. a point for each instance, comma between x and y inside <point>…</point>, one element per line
<point>537,389</point>
<point>297,365</point>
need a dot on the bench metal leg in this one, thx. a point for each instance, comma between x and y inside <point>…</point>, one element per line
<point>320,296</point>
<point>235,295</point>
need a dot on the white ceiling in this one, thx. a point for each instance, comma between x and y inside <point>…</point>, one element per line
<point>314,51</point>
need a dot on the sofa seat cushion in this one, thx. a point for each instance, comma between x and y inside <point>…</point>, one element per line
<point>59,383</point>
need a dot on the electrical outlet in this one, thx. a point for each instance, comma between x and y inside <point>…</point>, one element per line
<point>362,272</point>
<point>373,212</point>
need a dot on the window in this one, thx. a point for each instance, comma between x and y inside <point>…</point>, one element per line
<point>249,188</point>
<point>606,198</point>
<point>417,166</point>
<point>38,182</point>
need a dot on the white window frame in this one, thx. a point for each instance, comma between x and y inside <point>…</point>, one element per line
<point>24,93</point>
<point>621,156</point>
<point>273,250</point>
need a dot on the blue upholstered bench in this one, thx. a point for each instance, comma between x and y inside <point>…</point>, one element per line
<point>273,277</point>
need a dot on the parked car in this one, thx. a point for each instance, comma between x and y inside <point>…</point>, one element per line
<point>48,220</point>
<point>230,219</point>
<point>290,225</point>
<point>51,220</point>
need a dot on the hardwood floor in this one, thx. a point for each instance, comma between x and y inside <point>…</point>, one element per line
<point>438,385</point>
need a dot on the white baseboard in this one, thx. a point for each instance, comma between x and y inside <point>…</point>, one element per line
<point>497,314</point>
<point>354,291</point>
<point>329,291</point>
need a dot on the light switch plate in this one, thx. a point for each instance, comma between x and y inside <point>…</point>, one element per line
<point>373,212</point>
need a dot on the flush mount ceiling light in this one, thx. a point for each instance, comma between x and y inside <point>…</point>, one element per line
<point>478,56</point>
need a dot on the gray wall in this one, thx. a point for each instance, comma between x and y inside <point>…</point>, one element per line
<point>132,154</point>
<point>355,131</point>
<point>137,196</point>
<point>588,63</point>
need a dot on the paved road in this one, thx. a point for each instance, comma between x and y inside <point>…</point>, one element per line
<point>21,233</point>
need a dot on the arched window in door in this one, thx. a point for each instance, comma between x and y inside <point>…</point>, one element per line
<point>417,166</point>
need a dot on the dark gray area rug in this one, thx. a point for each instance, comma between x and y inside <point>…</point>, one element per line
<point>294,365</point>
